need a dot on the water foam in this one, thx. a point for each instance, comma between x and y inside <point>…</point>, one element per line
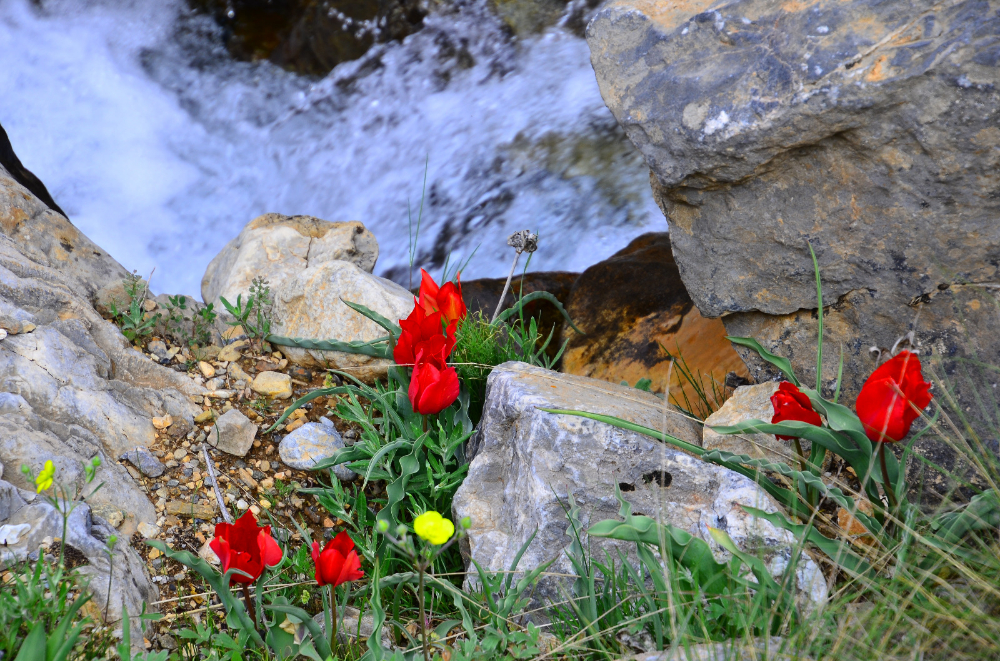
<point>160,147</point>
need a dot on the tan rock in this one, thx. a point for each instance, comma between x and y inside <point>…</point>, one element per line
<point>749,403</point>
<point>207,370</point>
<point>273,384</point>
<point>232,352</point>
<point>205,416</point>
<point>163,422</point>
<point>207,554</point>
<point>310,304</point>
<point>295,424</point>
<point>276,247</point>
<point>236,373</point>
<point>205,509</point>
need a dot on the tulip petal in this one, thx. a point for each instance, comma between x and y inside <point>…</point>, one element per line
<point>270,552</point>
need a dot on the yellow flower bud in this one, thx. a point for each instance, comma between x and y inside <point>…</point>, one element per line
<point>44,479</point>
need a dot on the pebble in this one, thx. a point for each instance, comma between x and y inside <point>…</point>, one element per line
<point>310,444</point>
<point>172,463</point>
<point>267,483</point>
<point>232,352</point>
<point>149,305</point>
<point>266,504</point>
<point>144,460</point>
<point>204,416</point>
<point>179,453</point>
<point>273,384</point>
<point>242,504</point>
<point>205,510</point>
<point>255,510</point>
<point>148,530</point>
<point>158,349</point>
<point>163,422</point>
<point>295,424</point>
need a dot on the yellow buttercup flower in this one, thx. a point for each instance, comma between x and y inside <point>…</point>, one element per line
<point>433,527</point>
<point>44,479</point>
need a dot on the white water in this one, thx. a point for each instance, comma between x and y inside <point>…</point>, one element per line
<point>160,147</point>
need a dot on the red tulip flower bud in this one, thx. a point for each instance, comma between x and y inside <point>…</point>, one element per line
<point>338,562</point>
<point>446,299</point>
<point>892,398</point>
<point>245,546</point>
<point>433,385</point>
<point>790,403</point>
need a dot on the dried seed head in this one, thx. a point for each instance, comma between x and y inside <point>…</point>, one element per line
<point>523,241</point>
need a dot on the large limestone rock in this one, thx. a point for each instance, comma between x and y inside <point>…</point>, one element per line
<point>48,239</point>
<point>631,307</point>
<point>276,247</point>
<point>868,129</point>
<point>528,462</point>
<point>310,304</point>
<point>71,387</point>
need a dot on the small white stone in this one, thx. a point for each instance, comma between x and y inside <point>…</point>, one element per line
<point>242,504</point>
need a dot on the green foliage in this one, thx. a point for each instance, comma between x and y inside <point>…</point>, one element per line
<point>180,318</point>
<point>256,316</point>
<point>40,618</point>
<point>133,319</point>
<point>125,647</point>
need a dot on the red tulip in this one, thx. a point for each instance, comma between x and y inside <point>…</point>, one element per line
<point>420,328</point>
<point>790,403</point>
<point>245,546</point>
<point>338,562</point>
<point>892,398</point>
<point>433,385</point>
<point>447,299</point>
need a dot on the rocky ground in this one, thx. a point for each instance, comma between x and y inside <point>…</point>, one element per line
<point>248,388</point>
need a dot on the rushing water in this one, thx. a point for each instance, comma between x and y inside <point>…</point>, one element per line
<point>161,147</point>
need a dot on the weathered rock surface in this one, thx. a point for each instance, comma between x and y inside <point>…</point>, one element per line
<point>632,306</point>
<point>868,129</point>
<point>37,520</point>
<point>311,443</point>
<point>70,385</point>
<point>233,433</point>
<point>310,304</point>
<point>749,403</point>
<point>47,239</point>
<point>527,462</point>
<point>276,247</point>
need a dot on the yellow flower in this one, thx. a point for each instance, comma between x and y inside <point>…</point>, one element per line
<point>433,527</point>
<point>44,479</point>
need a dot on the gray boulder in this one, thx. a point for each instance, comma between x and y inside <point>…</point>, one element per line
<point>310,444</point>
<point>868,129</point>
<point>71,386</point>
<point>528,462</point>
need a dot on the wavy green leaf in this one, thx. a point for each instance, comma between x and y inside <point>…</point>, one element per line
<point>781,363</point>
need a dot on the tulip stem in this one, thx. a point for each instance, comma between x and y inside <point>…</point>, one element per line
<point>423,616</point>
<point>802,455</point>
<point>889,490</point>
<point>333,609</point>
<point>249,603</point>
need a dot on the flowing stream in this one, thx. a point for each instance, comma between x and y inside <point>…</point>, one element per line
<point>160,146</point>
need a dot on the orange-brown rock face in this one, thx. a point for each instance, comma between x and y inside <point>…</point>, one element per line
<point>634,310</point>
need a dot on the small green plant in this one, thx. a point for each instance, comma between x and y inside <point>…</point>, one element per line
<point>256,316</point>
<point>125,647</point>
<point>39,617</point>
<point>133,320</point>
